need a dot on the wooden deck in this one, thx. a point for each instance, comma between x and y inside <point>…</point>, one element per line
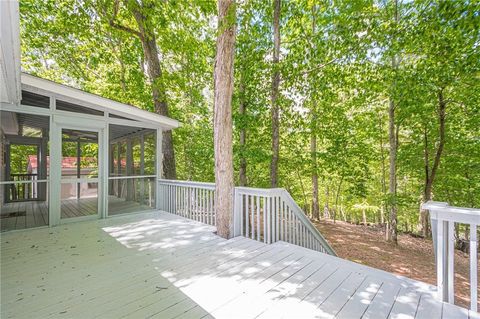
<point>30,214</point>
<point>157,265</point>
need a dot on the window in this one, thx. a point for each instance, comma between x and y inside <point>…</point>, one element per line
<point>70,107</point>
<point>33,99</point>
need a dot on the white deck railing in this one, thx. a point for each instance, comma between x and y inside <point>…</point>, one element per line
<point>267,215</point>
<point>192,200</point>
<point>443,218</point>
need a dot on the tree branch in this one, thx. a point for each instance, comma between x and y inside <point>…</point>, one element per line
<point>125,28</point>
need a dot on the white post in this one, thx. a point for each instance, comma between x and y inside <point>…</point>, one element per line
<point>104,169</point>
<point>450,261</point>
<point>473,268</point>
<point>158,167</point>
<point>237,213</point>
<point>55,172</point>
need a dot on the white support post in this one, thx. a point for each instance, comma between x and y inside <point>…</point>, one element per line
<point>158,167</point>
<point>450,261</point>
<point>55,173</point>
<point>104,169</point>
<point>473,268</point>
<point>441,261</point>
<point>237,213</point>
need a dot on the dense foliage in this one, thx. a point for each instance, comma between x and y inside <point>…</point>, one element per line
<point>336,82</point>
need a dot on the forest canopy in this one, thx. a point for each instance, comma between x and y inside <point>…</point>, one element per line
<point>344,66</point>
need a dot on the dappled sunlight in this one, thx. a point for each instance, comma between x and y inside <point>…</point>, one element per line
<point>164,265</point>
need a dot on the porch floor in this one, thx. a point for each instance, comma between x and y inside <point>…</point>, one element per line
<point>30,214</point>
<point>158,265</point>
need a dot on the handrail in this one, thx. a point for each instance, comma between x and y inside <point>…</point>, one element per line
<point>188,183</point>
<point>263,214</point>
<point>443,218</point>
<point>271,215</point>
<point>308,223</point>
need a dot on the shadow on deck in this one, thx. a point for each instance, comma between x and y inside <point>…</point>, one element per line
<point>158,265</point>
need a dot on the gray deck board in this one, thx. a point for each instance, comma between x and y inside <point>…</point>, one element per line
<point>158,265</point>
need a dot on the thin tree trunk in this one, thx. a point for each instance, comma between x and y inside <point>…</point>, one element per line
<point>326,209</point>
<point>243,135</point>
<point>313,142</point>
<point>337,196</point>
<point>393,138</point>
<point>430,175</point>
<point>305,203</point>
<point>275,112</point>
<point>313,151</point>
<point>384,171</point>
<point>223,79</point>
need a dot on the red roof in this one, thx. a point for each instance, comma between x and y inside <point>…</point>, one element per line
<point>67,162</point>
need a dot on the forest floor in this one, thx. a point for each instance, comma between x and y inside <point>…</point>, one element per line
<point>412,258</point>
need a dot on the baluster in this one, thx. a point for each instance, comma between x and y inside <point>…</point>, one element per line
<point>247,216</point>
<point>252,213</point>
<point>194,201</point>
<point>241,205</point>
<point>202,210</point>
<point>258,217</point>
<point>277,218</point>
<point>212,208</point>
<point>171,199</point>
<point>264,219</point>
<point>290,225</point>
<point>269,226</point>
<point>282,228</point>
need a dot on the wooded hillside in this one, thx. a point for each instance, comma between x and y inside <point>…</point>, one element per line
<point>376,104</point>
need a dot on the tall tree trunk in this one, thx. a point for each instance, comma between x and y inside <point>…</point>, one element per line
<point>430,174</point>
<point>313,142</point>
<point>313,151</point>
<point>393,138</point>
<point>223,79</point>
<point>384,171</point>
<point>275,112</point>
<point>154,70</point>
<point>243,135</point>
<point>337,196</point>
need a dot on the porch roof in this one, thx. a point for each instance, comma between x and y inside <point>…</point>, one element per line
<point>95,102</point>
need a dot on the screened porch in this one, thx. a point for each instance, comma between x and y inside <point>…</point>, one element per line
<point>69,155</point>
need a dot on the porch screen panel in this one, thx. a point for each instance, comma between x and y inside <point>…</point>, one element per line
<point>23,171</point>
<point>79,170</point>
<point>132,173</point>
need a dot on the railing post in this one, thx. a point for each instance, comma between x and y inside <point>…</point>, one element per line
<point>473,268</point>
<point>237,213</point>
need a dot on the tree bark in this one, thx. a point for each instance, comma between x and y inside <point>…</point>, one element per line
<point>313,143</point>
<point>430,174</point>
<point>275,113</point>
<point>313,151</point>
<point>223,81</point>
<point>243,134</point>
<point>384,171</point>
<point>393,138</point>
<point>149,44</point>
